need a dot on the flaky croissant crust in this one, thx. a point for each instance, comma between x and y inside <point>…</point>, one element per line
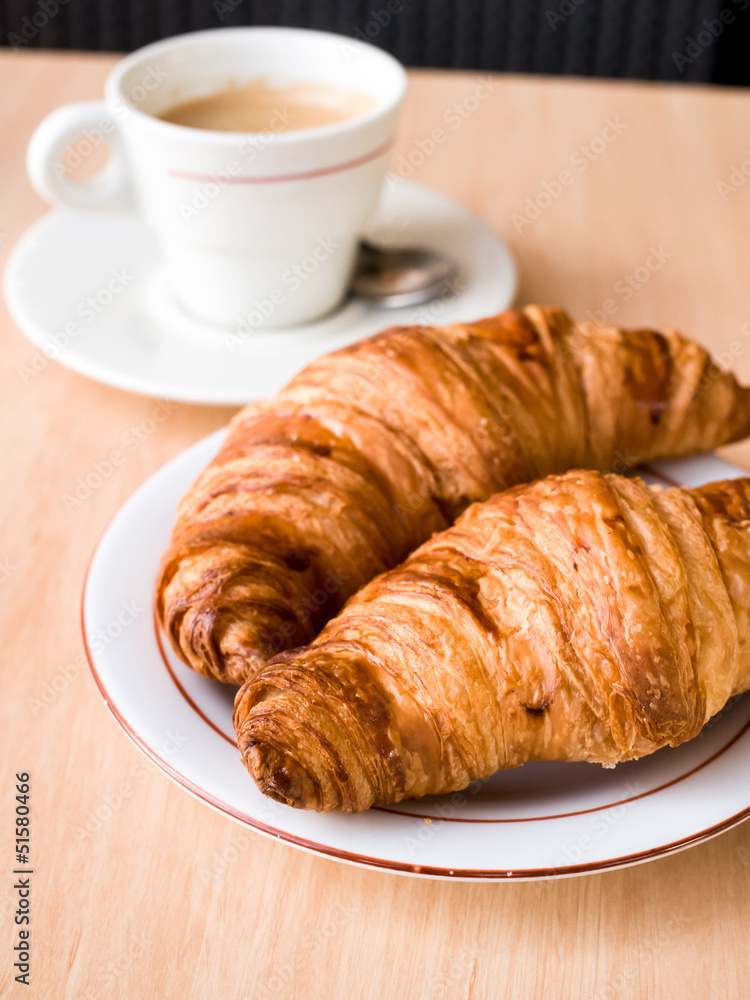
<point>584,617</point>
<point>371,449</point>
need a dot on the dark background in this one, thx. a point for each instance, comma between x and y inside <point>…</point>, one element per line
<point>641,39</point>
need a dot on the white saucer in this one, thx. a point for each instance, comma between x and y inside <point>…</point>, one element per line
<point>136,337</point>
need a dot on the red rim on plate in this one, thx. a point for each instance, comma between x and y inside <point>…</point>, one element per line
<point>398,866</point>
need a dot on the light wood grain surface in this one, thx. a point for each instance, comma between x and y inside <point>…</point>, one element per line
<point>123,911</point>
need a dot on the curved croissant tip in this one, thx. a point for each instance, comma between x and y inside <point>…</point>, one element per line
<point>279,776</point>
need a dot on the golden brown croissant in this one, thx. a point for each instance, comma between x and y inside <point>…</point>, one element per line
<point>370,450</point>
<point>583,617</point>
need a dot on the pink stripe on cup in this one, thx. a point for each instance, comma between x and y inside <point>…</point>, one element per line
<point>186,175</point>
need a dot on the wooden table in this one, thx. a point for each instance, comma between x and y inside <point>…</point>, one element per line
<point>123,911</point>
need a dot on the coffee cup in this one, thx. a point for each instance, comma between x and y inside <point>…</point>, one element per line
<point>256,229</point>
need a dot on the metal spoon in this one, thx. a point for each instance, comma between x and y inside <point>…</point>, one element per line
<point>400,276</point>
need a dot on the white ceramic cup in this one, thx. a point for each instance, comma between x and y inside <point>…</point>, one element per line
<point>256,229</point>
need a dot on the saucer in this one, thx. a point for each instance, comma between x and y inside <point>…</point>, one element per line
<point>88,290</point>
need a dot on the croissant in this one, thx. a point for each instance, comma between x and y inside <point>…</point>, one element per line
<point>584,617</point>
<point>371,449</point>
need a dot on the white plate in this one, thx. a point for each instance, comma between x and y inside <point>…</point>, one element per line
<point>540,820</point>
<point>133,335</point>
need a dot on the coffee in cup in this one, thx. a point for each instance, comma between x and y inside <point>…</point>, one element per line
<point>257,106</point>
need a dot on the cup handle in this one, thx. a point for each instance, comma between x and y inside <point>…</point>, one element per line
<point>91,122</point>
